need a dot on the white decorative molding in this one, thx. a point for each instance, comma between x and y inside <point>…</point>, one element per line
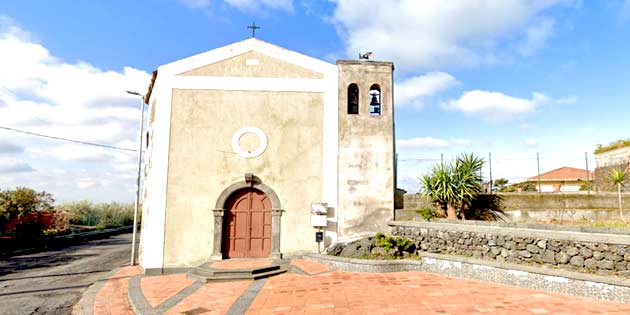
<point>262,139</point>
<point>242,47</point>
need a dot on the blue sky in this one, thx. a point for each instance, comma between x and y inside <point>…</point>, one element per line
<point>511,77</point>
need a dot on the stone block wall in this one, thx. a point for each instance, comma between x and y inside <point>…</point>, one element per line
<point>605,254</point>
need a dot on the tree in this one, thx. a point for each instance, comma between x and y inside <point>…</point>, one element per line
<point>19,202</point>
<point>500,183</point>
<point>618,177</point>
<point>454,185</point>
<point>467,173</point>
<point>438,185</point>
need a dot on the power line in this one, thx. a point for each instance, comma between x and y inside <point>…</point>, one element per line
<point>69,140</point>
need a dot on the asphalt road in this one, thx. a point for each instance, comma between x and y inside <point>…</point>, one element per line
<point>52,282</point>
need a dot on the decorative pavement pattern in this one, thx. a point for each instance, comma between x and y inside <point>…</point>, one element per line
<point>314,288</point>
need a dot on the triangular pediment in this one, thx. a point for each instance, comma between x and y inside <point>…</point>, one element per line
<point>250,58</point>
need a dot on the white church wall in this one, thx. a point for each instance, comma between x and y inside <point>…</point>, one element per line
<point>202,163</point>
<point>154,204</point>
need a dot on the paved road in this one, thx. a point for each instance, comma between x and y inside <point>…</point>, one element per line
<point>52,282</point>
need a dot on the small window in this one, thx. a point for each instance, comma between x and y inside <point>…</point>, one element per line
<point>353,99</point>
<point>375,100</point>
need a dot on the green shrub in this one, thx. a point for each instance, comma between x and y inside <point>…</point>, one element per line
<point>51,232</point>
<point>81,212</point>
<point>107,215</point>
<point>115,214</point>
<point>389,242</point>
<point>18,203</point>
<point>586,186</point>
<point>427,213</point>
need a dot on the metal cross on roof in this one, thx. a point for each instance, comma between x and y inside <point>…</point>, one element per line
<point>254,28</point>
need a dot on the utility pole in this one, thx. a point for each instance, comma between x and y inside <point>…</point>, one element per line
<point>538,163</point>
<point>490,168</point>
<point>588,180</point>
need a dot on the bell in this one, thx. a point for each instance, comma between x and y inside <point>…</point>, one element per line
<point>354,99</point>
<point>374,100</point>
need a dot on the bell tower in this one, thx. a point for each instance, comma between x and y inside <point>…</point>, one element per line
<point>366,163</point>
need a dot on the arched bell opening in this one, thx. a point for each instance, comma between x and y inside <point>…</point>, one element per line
<point>375,100</point>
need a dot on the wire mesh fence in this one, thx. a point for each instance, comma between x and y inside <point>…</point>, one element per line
<point>536,171</point>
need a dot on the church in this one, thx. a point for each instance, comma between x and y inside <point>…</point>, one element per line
<point>245,141</point>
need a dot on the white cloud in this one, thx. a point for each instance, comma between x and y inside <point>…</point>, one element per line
<point>249,6</point>
<point>436,33</point>
<point>196,4</point>
<point>414,91</point>
<point>43,94</point>
<point>429,143</point>
<point>536,36</point>
<point>8,147</point>
<point>496,106</point>
<point>254,5</point>
<point>12,165</point>
<point>531,142</point>
<point>86,182</point>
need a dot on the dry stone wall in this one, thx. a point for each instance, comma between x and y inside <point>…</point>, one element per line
<point>604,254</point>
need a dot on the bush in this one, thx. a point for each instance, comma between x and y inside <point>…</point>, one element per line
<point>427,213</point>
<point>102,215</point>
<point>389,242</point>
<point>20,202</point>
<point>486,208</point>
<point>586,186</point>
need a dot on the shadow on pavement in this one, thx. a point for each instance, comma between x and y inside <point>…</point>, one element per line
<point>61,255</point>
<point>55,275</point>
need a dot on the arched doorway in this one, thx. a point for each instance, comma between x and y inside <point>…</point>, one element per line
<point>248,224</point>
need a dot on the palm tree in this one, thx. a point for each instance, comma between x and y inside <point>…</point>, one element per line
<point>438,185</point>
<point>454,186</point>
<point>618,177</point>
<point>467,180</point>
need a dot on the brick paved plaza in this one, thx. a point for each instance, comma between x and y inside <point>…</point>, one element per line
<point>314,288</point>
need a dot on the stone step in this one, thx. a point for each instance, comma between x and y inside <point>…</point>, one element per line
<point>204,269</point>
<point>205,275</point>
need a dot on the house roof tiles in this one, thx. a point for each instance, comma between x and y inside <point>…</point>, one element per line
<point>564,173</point>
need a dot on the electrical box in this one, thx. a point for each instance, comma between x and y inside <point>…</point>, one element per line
<point>319,236</point>
<point>319,221</point>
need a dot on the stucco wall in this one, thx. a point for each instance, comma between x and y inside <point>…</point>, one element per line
<point>202,163</point>
<point>254,64</point>
<point>366,150</point>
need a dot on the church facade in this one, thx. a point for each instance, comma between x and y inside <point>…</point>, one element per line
<point>244,139</point>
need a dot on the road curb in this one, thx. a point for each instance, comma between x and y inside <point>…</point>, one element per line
<point>85,306</point>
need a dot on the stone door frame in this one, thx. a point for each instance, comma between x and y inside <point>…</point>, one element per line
<point>220,209</point>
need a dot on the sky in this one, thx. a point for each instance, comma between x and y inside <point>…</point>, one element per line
<point>504,79</point>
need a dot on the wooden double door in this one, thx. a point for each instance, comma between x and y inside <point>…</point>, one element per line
<point>247,225</point>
